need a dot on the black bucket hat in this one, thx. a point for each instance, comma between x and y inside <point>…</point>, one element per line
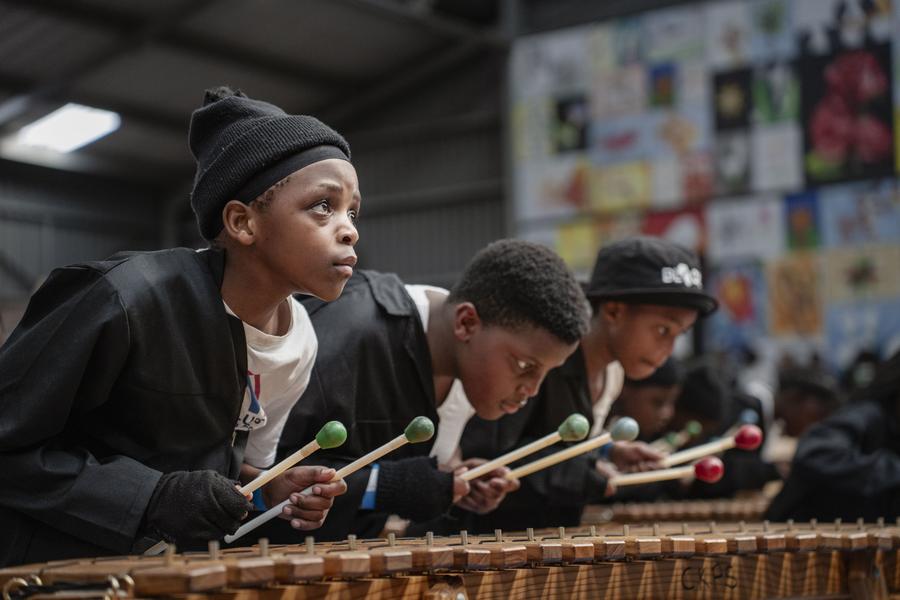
<point>648,270</point>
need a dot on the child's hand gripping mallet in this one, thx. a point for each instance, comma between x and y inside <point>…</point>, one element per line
<point>420,429</point>
<point>332,435</point>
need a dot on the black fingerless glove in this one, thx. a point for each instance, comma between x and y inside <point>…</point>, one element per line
<point>194,505</point>
<point>413,488</point>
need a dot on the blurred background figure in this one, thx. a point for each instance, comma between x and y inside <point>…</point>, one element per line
<point>706,397</point>
<point>860,372</point>
<point>651,401</point>
<point>848,466</point>
<point>805,397</point>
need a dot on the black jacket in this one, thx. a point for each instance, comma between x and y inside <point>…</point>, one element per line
<point>847,466</point>
<point>119,371</point>
<point>373,373</point>
<point>560,491</point>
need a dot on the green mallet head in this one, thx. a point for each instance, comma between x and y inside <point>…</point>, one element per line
<point>419,429</point>
<point>693,428</point>
<point>625,430</point>
<point>574,428</point>
<point>332,435</point>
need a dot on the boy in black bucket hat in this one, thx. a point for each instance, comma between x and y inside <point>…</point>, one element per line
<point>137,389</point>
<point>644,293</point>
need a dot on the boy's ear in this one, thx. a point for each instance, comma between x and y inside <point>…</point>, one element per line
<point>237,218</point>
<point>613,312</point>
<point>465,321</point>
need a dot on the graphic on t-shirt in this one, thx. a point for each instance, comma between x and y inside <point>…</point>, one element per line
<point>252,415</point>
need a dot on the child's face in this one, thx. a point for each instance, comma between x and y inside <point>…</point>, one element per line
<point>799,410</point>
<point>642,336</point>
<point>652,406</point>
<point>305,236</point>
<point>500,368</point>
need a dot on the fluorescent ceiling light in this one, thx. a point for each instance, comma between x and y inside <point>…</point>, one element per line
<point>69,128</point>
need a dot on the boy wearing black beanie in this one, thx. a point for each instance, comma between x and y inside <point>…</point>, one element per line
<point>137,389</point>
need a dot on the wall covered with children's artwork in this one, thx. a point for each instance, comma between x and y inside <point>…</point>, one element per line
<point>760,132</point>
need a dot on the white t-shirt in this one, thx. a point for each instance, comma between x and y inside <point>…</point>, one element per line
<point>613,380</point>
<point>455,411</point>
<point>278,370</point>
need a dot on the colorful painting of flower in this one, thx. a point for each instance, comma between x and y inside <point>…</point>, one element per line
<point>847,114</point>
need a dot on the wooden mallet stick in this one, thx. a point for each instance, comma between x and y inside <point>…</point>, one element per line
<point>419,430</point>
<point>332,435</point>
<point>573,429</point>
<point>625,429</point>
<point>674,441</point>
<point>708,470</point>
<point>747,417</point>
<point>748,437</point>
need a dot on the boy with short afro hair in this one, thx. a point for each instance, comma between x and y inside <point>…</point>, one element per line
<point>137,389</point>
<point>644,292</point>
<point>394,351</point>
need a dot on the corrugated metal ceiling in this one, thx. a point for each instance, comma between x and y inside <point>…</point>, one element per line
<point>151,59</point>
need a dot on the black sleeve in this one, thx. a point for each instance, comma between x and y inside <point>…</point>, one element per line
<point>848,453</point>
<point>61,363</point>
<point>434,488</point>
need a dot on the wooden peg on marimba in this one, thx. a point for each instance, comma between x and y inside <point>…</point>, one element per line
<point>213,550</point>
<point>468,557</point>
<point>294,566</point>
<point>431,557</point>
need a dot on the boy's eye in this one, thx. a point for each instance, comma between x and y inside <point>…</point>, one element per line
<point>354,215</point>
<point>662,330</point>
<point>322,207</point>
<point>523,365</point>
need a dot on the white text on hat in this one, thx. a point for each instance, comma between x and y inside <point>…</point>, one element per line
<point>683,274</point>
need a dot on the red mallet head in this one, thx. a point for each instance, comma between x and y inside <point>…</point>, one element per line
<point>748,437</point>
<point>709,470</point>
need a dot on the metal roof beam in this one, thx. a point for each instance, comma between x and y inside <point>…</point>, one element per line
<point>127,41</point>
<point>192,42</point>
<point>161,121</point>
<point>447,26</point>
<point>408,79</point>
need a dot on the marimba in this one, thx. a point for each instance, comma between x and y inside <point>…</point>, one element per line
<point>731,509</point>
<point>667,560</point>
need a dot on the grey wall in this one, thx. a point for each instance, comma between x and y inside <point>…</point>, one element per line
<point>48,218</point>
<point>430,168</point>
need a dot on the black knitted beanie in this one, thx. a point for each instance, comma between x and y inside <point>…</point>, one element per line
<point>233,138</point>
